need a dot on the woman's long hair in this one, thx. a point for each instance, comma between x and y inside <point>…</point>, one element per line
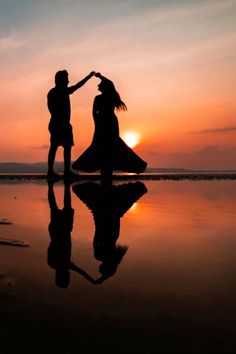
<point>110,91</point>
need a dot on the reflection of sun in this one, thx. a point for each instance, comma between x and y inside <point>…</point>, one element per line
<point>134,207</point>
<point>131,138</point>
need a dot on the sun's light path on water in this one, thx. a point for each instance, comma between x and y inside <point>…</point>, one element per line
<point>131,138</point>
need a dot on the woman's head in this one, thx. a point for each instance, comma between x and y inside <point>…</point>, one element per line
<point>111,260</point>
<point>107,88</point>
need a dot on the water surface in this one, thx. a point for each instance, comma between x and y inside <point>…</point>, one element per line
<point>154,268</point>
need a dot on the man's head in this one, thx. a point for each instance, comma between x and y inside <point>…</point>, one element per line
<point>61,78</point>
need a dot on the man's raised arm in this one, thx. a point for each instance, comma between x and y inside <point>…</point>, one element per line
<point>80,83</point>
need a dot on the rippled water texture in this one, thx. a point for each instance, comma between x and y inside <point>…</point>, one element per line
<point>130,268</point>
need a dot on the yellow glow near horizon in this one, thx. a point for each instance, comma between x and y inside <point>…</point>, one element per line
<point>131,138</point>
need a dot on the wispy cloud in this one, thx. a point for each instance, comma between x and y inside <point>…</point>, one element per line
<point>41,147</point>
<point>215,130</point>
<point>10,42</point>
<point>209,150</point>
<point>209,157</point>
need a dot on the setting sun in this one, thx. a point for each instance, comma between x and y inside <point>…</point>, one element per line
<point>131,138</point>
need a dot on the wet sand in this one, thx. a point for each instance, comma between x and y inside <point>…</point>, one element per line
<point>174,290</point>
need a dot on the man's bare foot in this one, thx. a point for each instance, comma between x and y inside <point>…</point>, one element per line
<point>70,175</point>
<point>51,175</point>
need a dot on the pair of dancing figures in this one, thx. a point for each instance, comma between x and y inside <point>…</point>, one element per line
<point>107,151</point>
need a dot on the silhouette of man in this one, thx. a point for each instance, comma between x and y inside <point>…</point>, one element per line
<point>59,126</point>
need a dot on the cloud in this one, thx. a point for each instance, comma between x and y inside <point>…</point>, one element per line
<point>10,42</point>
<point>208,150</point>
<point>216,130</point>
<point>41,147</point>
<point>209,157</point>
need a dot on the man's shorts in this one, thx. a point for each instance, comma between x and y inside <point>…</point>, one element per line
<point>61,135</point>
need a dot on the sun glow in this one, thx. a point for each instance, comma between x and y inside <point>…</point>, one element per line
<point>131,138</point>
<point>134,207</point>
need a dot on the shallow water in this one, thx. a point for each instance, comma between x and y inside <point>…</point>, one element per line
<point>156,274</point>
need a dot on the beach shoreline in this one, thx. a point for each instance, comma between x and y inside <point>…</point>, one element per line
<point>208,176</point>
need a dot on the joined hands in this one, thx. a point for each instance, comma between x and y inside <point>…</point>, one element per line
<point>98,75</point>
<point>94,73</point>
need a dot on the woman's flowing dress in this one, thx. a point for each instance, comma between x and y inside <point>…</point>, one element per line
<point>107,150</point>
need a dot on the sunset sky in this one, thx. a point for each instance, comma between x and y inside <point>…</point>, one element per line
<point>173,63</point>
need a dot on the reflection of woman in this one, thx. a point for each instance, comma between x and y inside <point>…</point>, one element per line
<point>60,227</point>
<point>108,151</point>
<point>108,204</point>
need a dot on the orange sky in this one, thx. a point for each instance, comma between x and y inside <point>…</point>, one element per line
<point>173,63</point>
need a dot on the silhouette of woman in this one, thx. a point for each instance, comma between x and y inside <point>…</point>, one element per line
<point>108,152</point>
<point>108,203</point>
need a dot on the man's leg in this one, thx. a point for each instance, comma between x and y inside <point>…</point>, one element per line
<point>67,163</point>
<point>51,159</point>
<point>67,159</point>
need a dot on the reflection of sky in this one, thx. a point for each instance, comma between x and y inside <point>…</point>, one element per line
<point>192,204</point>
<point>172,61</point>
<point>194,216</point>
<point>180,264</point>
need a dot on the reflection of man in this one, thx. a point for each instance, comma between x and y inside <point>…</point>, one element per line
<point>60,227</point>
<point>59,126</point>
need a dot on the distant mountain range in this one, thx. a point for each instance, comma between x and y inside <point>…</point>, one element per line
<point>18,167</point>
<point>41,167</point>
